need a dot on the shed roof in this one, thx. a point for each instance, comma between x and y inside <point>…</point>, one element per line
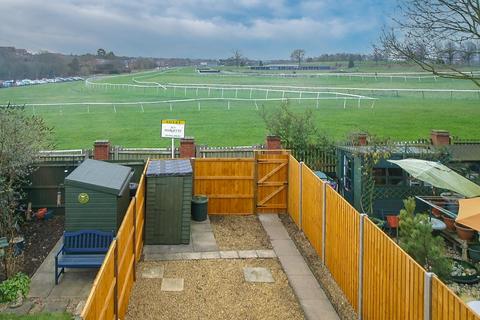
<point>169,168</point>
<point>100,176</point>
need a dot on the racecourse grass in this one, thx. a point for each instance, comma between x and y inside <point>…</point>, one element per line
<point>400,116</point>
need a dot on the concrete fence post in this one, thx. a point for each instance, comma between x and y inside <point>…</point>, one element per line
<point>360,264</point>
<point>427,296</point>
<point>300,195</point>
<point>324,219</point>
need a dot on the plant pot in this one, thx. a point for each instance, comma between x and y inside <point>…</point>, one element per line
<point>464,232</point>
<point>464,278</point>
<point>449,222</point>
<point>435,212</point>
<point>393,221</point>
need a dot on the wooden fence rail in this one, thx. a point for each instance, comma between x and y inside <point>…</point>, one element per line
<point>378,278</point>
<point>110,293</point>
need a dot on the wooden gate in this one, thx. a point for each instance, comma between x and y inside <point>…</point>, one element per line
<point>272,181</point>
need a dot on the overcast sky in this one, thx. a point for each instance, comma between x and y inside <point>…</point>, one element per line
<point>261,29</point>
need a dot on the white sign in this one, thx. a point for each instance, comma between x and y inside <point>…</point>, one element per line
<point>173,129</point>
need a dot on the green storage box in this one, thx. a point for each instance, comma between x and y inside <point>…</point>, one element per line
<point>96,196</point>
<point>168,202</point>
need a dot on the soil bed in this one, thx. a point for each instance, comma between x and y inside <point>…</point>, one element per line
<point>321,273</point>
<point>239,233</point>
<point>40,238</point>
<point>214,289</point>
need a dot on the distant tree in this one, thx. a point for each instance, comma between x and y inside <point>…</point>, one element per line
<point>237,57</point>
<point>468,51</point>
<point>430,22</point>
<point>260,63</point>
<point>351,63</point>
<point>110,55</point>
<point>101,52</point>
<point>450,51</point>
<point>377,54</point>
<point>22,136</point>
<point>74,66</point>
<point>298,55</point>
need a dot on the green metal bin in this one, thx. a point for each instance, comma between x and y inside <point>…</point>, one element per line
<point>168,202</point>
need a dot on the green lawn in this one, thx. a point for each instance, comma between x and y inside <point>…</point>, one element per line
<point>404,117</point>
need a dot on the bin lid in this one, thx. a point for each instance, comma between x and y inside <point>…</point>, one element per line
<point>100,176</point>
<point>158,168</point>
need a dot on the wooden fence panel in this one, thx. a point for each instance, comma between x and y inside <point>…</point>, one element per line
<point>446,305</point>
<point>312,206</point>
<point>228,183</point>
<point>294,189</point>
<point>126,259</point>
<point>393,285</point>
<point>139,217</point>
<point>342,244</point>
<point>100,303</point>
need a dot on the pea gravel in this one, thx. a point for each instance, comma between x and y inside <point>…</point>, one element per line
<point>239,233</point>
<point>214,289</point>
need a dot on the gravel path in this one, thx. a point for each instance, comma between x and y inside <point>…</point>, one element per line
<point>239,233</point>
<point>321,273</point>
<point>214,289</point>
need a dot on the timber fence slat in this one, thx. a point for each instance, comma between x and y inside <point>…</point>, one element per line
<point>393,285</point>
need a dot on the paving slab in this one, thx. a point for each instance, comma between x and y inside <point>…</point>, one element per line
<point>247,254</point>
<point>56,306</point>
<point>154,249</point>
<point>192,255</point>
<point>200,227</point>
<point>74,284</point>
<point>312,298</point>
<point>257,274</point>
<point>277,232</point>
<point>229,254</point>
<point>285,248</point>
<point>204,241</point>
<point>295,266</point>
<point>210,255</point>
<point>318,310</point>
<point>266,253</point>
<point>172,284</point>
<point>153,272</point>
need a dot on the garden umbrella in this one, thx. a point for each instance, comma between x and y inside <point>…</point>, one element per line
<point>439,176</point>
<point>469,213</point>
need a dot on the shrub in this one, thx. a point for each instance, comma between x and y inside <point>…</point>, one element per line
<point>417,240</point>
<point>10,288</point>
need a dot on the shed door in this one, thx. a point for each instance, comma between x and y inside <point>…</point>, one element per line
<point>168,214</point>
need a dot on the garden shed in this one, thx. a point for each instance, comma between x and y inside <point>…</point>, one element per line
<point>391,184</point>
<point>96,196</point>
<point>168,202</point>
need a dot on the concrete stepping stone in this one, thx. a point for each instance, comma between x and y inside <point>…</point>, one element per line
<point>257,275</point>
<point>21,310</point>
<point>172,284</point>
<point>153,272</point>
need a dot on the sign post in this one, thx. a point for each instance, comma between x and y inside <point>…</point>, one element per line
<point>173,129</point>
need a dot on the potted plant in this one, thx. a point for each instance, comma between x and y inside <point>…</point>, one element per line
<point>450,222</point>
<point>464,232</point>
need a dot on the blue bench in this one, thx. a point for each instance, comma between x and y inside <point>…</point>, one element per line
<point>82,249</point>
